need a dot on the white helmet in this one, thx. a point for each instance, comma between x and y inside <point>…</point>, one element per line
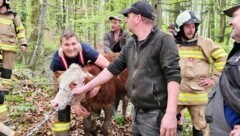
<point>6,3</point>
<point>186,16</point>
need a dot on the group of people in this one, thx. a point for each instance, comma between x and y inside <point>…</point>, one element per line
<point>156,86</point>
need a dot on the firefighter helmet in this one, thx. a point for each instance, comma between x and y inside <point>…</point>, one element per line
<point>186,16</point>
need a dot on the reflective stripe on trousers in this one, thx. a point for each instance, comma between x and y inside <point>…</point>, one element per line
<point>3,108</point>
<point>61,126</point>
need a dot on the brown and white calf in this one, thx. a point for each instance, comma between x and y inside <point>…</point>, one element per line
<point>105,99</point>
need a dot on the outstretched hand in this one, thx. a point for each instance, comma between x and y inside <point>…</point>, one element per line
<point>78,91</point>
<point>80,111</point>
<point>168,125</point>
<point>93,92</point>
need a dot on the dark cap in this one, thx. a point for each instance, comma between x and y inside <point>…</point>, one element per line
<point>141,7</point>
<point>115,17</point>
<point>229,12</point>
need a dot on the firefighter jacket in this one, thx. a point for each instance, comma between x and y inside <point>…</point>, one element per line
<point>199,58</point>
<point>11,30</point>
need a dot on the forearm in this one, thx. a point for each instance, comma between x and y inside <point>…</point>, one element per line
<point>173,91</point>
<point>100,79</point>
<point>101,61</point>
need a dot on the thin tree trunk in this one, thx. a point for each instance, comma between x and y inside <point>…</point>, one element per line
<point>158,10</point>
<point>222,22</point>
<point>38,47</point>
<point>35,21</point>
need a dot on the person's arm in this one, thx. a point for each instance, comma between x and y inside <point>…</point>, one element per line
<point>100,79</point>
<point>101,61</point>
<point>216,57</point>
<point>20,32</point>
<point>169,121</point>
<point>107,44</point>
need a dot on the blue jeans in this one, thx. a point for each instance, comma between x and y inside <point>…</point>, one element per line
<point>146,122</point>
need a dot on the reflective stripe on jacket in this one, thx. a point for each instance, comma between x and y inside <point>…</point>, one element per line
<point>11,29</point>
<point>203,60</point>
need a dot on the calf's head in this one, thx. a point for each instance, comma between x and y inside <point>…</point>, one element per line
<point>71,78</point>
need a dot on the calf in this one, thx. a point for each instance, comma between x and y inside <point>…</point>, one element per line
<point>105,99</point>
<point>119,83</point>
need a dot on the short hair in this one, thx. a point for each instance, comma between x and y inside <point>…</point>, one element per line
<point>147,20</point>
<point>172,26</point>
<point>68,33</point>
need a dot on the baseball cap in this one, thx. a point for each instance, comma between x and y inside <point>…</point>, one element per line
<point>229,12</point>
<point>115,17</point>
<point>141,7</point>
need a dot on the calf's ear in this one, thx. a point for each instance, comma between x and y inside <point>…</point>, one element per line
<point>88,79</point>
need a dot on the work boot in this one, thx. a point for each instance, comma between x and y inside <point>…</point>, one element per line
<point>197,132</point>
<point>5,130</point>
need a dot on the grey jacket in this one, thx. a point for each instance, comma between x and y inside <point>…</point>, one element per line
<point>109,43</point>
<point>151,65</point>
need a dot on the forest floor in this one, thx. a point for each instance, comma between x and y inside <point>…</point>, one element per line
<point>29,104</point>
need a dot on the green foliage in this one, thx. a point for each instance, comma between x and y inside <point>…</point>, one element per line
<point>25,107</point>
<point>119,119</point>
<point>187,126</point>
<point>227,48</point>
<point>14,98</point>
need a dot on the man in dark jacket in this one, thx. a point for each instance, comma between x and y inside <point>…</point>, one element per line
<point>151,58</point>
<point>115,39</point>
<point>223,109</point>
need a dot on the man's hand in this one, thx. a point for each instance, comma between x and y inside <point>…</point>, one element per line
<point>23,48</point>
<point>80,111</point>
<point>207,82</point>
<point>168,125</point>
<point>94,92</point>
<point>78,91</point>
<point>235,131</point>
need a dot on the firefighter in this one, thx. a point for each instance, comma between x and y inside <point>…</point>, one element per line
<point>11,29</point>
<point>201,62</point>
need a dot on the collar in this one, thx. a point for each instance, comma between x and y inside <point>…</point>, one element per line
<point>190,42</point>
<point>153,30</point>
<point>7,12</point>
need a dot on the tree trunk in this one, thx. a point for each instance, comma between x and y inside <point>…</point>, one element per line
<point>38,47</point>
<point>35,21</point>
<point>158,10</point>
<point>222,22</point>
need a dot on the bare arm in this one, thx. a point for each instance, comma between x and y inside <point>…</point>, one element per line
<point>100,79</point>
<point>101,61</point>
<point>169,121</point>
